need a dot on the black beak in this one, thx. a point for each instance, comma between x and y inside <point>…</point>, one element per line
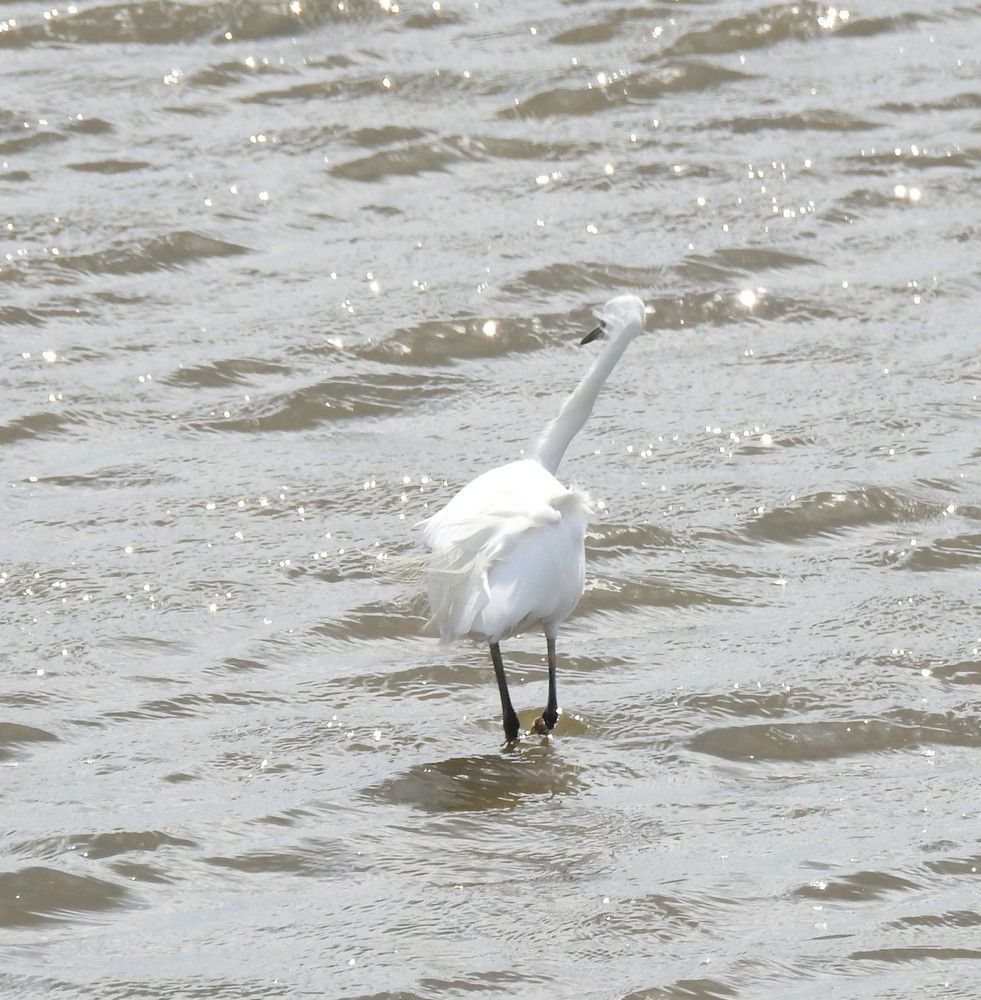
<point>594,334</point>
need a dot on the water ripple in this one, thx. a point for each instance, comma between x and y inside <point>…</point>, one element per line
<point>38,895</point>
<point>814,741</point>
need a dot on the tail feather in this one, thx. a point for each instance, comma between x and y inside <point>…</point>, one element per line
<point>457,588</point>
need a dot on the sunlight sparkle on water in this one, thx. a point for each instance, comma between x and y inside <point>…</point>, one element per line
<point>833,18</point>
<point>748,298</point>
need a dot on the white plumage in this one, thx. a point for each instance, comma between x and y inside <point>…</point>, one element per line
<point>508,554</point>
<point>508,551</point>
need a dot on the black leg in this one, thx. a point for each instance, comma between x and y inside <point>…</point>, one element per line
<point>550,716</point>
<point>507,709</point>
<point>551,713</point>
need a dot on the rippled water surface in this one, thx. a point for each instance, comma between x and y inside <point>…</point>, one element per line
<point>277,278</point>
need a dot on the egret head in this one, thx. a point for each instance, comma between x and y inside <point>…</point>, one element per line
<point>621,317</point>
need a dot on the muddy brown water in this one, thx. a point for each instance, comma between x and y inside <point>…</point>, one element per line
<point>276,280</point>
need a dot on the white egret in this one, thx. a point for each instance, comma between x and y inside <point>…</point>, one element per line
<point>508,551</point>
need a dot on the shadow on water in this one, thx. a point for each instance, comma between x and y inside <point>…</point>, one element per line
<point>500,780</point>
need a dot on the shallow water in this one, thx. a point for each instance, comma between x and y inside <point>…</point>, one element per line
<point>276,282</point>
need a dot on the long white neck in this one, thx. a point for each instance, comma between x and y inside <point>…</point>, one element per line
<point>577,408</point>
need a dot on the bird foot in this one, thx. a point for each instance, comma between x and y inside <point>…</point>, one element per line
<point>542,726</point>
<point>512,729</point>
<point>547,721</point>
